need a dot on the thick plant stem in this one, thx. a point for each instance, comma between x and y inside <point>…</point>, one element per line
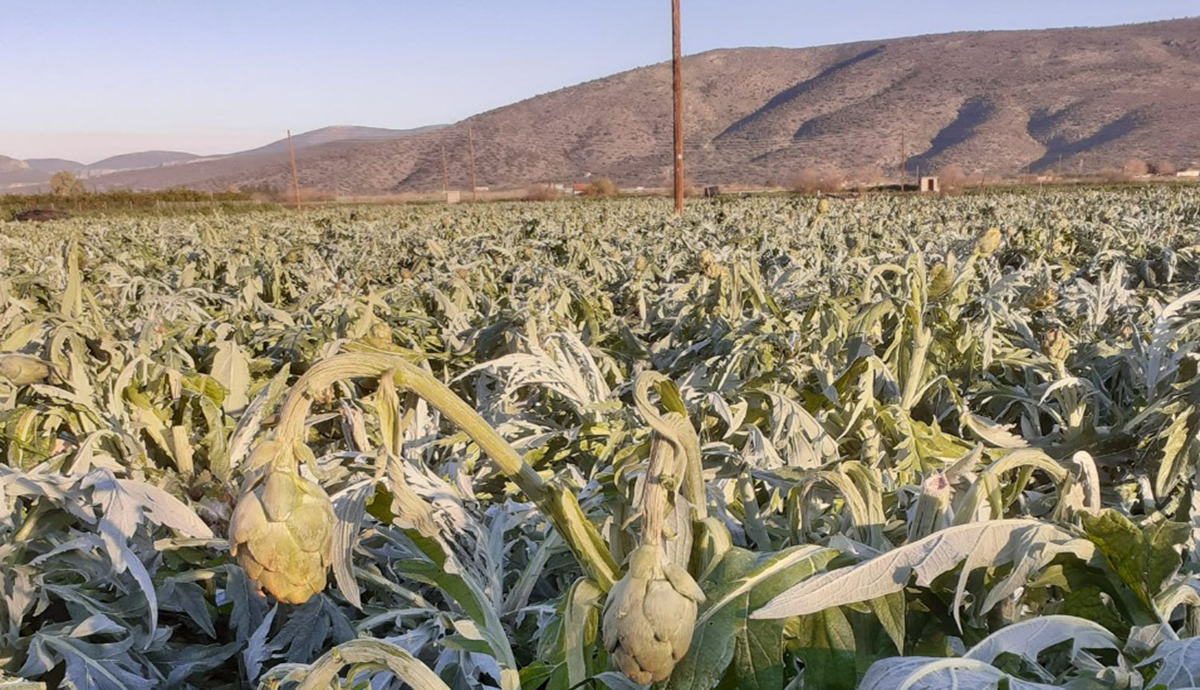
<point>654,498</point>
<point>677,430</point>
<point>416,380</point>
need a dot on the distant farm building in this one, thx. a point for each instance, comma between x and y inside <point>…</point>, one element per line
<point>931,185</point>
<point>453,197</point>
<point>712,191</point>
<point>580,188</point>
<point>1191,174</point>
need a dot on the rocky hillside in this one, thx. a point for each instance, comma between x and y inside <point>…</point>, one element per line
<point>995,102</point>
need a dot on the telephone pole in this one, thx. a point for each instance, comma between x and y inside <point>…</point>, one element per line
<point>445,175</point>
<point>903,162</point>
<point>471,154</point>
<point>677,80</point>
<point>295,177</point>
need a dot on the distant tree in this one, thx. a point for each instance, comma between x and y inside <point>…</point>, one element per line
<point>1136,167</point>
<point>66,184</point>
<point>952,177</point>
<point>1163,167</point>
<point>602,187</point>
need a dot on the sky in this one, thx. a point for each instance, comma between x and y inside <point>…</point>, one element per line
<point>85,79</point>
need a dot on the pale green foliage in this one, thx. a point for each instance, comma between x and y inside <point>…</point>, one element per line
<point>1016,374</point>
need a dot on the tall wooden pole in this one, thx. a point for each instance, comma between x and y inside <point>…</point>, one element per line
<point>295,177</point>
<point>471,153</point>
<point>903,162</point>
<point>677,85</point>
<point>445,175</point>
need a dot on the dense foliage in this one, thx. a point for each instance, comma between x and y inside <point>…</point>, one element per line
<point>168,201</point>
<point>885,443</point>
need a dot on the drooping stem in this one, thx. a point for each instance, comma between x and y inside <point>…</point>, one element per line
<point>299,402</point>
<point>414,379</point>
<point>654,497</point>
<point>676,429</point>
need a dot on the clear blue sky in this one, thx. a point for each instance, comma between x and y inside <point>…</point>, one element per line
<point>87,78</point>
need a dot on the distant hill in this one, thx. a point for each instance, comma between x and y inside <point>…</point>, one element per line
<point>10,165</point>
<point>136,161</point>
<point>53,165</point>
<point>337,133</point>
<point>998,102</point>
<point>15,174</point>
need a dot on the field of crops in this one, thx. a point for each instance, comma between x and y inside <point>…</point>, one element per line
<point>889,444</point>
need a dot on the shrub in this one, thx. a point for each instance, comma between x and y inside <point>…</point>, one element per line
<point>952,177</point>
<point>1163,167</point>
<point>1136,167</point>
<point>602,187</point>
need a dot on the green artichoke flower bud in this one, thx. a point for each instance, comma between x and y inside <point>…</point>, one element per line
<point>282,535</point>
<point>1056,345</point>
<point>1043,298</point>
<point>23,370</point>
<point>989,242</point>
<point>650,616</point>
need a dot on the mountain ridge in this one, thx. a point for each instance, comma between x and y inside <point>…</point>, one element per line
<point>993,102</point>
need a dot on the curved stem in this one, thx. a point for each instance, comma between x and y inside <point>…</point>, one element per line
<point>420,382</point>
<point>676,429</point>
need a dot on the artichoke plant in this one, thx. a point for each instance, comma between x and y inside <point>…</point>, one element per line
<point>282,535</point>
<point>651,611</point>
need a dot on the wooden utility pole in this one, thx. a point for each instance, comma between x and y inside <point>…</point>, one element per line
<point>295,177</point>
<point>677,80</point>
<point>445,175</point>
<point>903,162</point>
<point>471,153</point>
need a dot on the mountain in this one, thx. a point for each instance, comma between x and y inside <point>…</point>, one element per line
<point>15,174</point>
<point>136,161</point>
<point>996,102</point>
<point>337,133</point>
<point>53,165</point>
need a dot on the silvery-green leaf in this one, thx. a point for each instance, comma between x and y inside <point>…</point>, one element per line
<point>988,543</point>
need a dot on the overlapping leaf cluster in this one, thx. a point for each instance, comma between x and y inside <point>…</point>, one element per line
<point>943,441</point>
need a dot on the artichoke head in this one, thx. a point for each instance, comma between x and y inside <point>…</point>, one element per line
<point>989,242</point>
<point>23,370</point>
<point>650,616</point>
<point>282,535</point>
<point>1056,345</point>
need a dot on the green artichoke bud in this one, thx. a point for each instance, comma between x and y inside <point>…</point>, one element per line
<point>989,242</point>
<point>1043,298</point>
<point>1056,345</point>
<point>23,370</point>
<point>650,616</point>
<point>282,535</point>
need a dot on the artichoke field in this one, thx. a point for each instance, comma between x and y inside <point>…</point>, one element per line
<point>891,443</point>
